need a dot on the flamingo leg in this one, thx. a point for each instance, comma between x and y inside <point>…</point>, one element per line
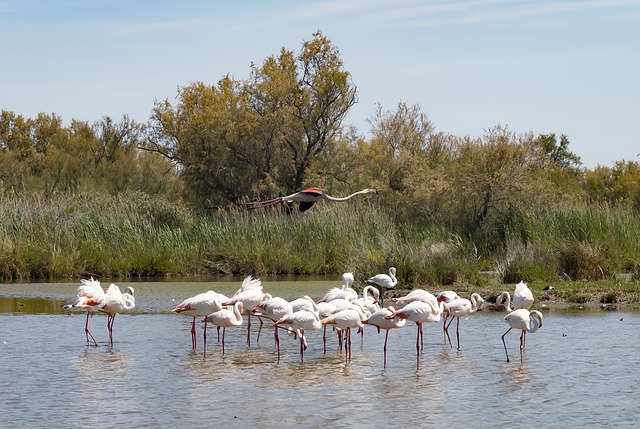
<point>86,329</point>
<point>505,344</point>
<point>259,329</point>
<point>110,319</point>
<point>324,338</point>
<point>302,347</point>
<point>446,331</point>
<point>205,340</point>
<point>249,331</point>
<point>223,332</point>
<point>193,333</point>
<point>521,344</point>
<point>458,331</point>
<point>444,328</point>
<point>386,336</point>
<point>277,338</point>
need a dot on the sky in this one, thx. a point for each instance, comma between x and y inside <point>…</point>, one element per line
<point>565,67</point>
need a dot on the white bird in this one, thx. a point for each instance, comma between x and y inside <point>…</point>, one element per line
<point>370,302</point>
<point>380,321</point>
<point>522,298</point>
<point>524,320</point>
<point>446,296</point>
<point>249,283</point>
<point>386,281</point>
<point>200,305</point>
<point>461,307</point>
<point>417,295</point>
<point>226,318</point>
<point>306,198</point>
<point>419,312</point>
<point>250,298</point>
<point>302,320</point>
<point>347,280</point>
<point>304,303</point>
<point>345,320</point>
<point>274,309</point>
<point>117,302</point>
<point>92,298</point>
<point>337,293</point>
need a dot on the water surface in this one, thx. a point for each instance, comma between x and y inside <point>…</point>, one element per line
<point>581,369</point>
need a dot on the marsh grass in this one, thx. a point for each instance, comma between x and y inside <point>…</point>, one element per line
<point>66,236</point>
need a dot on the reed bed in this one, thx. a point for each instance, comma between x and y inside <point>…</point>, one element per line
<point>67,236</point>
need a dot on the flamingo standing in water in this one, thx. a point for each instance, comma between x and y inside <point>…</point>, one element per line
<point>92,298</point>
<point>226,318</point>
<point>306,198</point>
<point>461,307</point>
<point>522,298</point>
<point>446,296</point>
<point>274,309</point>
<point>345,320</point>
<point>524,320</point>
<point>386,281</point>
<point>419,312</point>
<point>117,302</point>
<point>302,320</point>
<point>200,305</point>
<point>250,294</point>
<point>380,321</point>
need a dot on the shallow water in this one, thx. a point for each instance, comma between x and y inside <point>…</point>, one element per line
<point>580,369</point>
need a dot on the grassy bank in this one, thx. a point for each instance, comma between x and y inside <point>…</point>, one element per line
<point>134,235</point>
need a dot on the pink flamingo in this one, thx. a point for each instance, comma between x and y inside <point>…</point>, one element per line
<point>302,320</point>
<point>117,302</point>
<point>226,318</point>
<point>380,321</point>
<point>446,296</point>
<point>461,307</point>
<point>200,305</point>
<point>273,309</point>
<point>92,298</point>
<point>345,320</point>
<point>306,198</point>
<point>419,312</point>
<point>524,320</point>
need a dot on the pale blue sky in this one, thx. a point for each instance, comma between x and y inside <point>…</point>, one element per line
<point>564,67</point>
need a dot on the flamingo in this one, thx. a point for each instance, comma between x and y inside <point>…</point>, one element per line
<point>386,281</point>
<point>200,305</point>
<point>226,318</point>
<point>117,302</point>
<point>92,298</point>
<point>337,293</point>
<point>326,309</point>
<point>419,312</point>
<point>380,321</point>
<point>250,298</point>
<point>416,295</point>
<point>274,309</point>
<point>345,320</point>
<point>446,296</point>
<point>524,320</point>
<point>302,320</point>
<point>347,280</point>
<point>522,298</point>
<point>461,307</point>
<point>306,198</point>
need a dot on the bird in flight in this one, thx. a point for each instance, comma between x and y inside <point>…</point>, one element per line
<point>307,198</point>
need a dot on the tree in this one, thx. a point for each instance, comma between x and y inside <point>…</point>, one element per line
<point>257,137</point>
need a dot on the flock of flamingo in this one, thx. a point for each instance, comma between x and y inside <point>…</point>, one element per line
<point>340,308</point>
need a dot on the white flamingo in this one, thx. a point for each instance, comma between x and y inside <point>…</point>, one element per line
<point>524,320</point>
<point>419,312</point>
<point>117,302</point>
<point>306,198</point>
<point>522,298</point>
<point>226,318</point>
<point>345,320</point>
<point>386,281</point>
<point>250,298</point>
<point>274,309</point>
<point>446,296</point>
<point>380,321</point>
<point>92,298</point>
<point>302,321</point>
<point>199,305</point>
<point>461,307</point>
<point>416,295</point>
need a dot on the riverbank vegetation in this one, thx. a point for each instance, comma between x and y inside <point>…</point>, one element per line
<point>167,198</point>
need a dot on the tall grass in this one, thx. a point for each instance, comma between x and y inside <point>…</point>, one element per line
<point>66,236</point>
